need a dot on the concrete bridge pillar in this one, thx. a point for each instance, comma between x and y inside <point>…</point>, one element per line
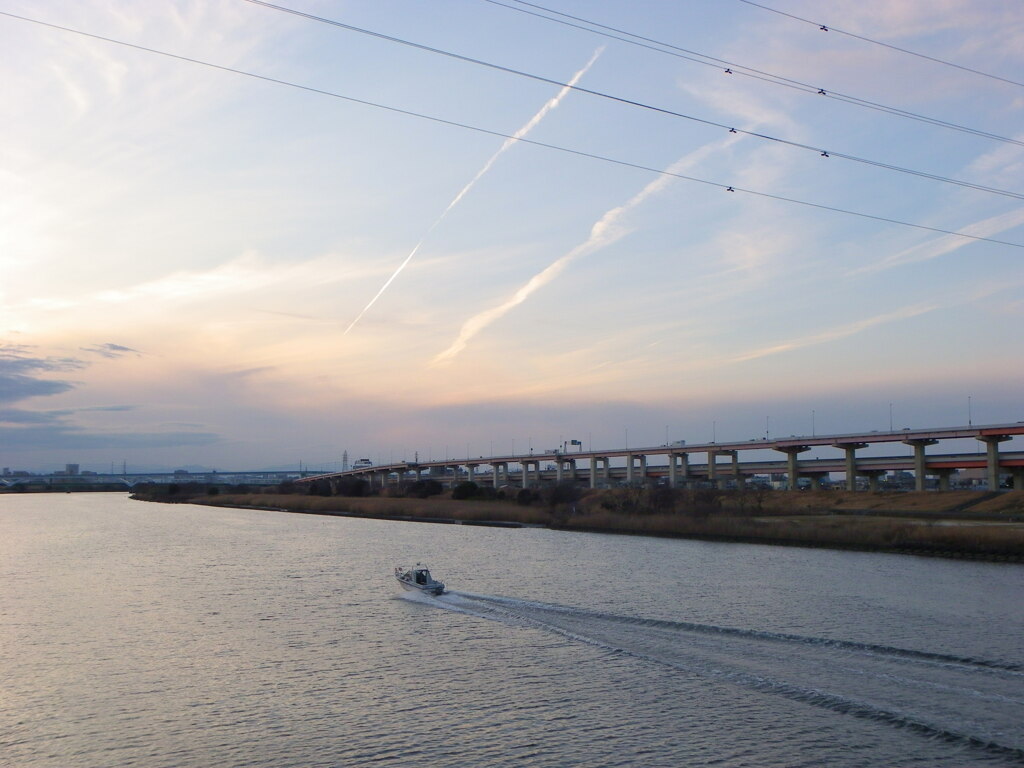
<point>792,468</point>
<point>558,469</point>
<point>1018,478</point>
<point>873,475</point>
<point>631,468</point>
<point>678,470</point>
<point>572,470</point>
<point>992,451</point>
<point>944,475</point>
<point>737,476</point>
<point>851,462</point>
<point>712,473</point>
<point>593,471</point>
<point>920,467</point>
<point>718,479</point>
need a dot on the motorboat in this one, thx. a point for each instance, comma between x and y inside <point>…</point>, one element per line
<point>418,579</point>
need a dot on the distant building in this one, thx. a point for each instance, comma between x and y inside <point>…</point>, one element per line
<point>977,478</point>
<point>70,469</point>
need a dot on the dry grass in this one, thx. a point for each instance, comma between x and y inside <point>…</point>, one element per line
<point>1011,502</point>
<point>383,506</point>
<point>794,502</point>
<point>792,518</point>
<point>836,531</point>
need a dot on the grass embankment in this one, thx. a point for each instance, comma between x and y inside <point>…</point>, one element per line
<point>927,523</point>
<point>975,539</point>
<point>433,508</point>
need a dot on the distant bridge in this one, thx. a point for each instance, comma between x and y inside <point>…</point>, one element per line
<point>678,470</point>
<point>131,479</point>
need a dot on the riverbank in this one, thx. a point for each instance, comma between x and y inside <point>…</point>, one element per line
<point>963,524</point>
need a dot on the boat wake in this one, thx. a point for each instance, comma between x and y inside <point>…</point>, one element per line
<point>969,702</point>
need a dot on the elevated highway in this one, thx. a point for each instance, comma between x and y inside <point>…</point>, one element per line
<point>596,467</point>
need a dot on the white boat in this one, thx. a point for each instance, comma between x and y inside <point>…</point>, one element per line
<point>418,579</point>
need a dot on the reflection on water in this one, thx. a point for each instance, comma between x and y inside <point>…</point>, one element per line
<point>140,634</point>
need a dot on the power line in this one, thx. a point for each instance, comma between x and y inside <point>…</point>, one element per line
<point>823,152</point>
<point>732,68</point>
<point>830,28</point>
<point>499,134</point>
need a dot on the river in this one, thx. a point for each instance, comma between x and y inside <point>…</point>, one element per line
<point>141,634</point>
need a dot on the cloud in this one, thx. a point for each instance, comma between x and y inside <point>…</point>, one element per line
<point>940,246</point>
<point>833,334</point>
<point>1002,166</point>
<point>15,387</point>
<point>528,126</point>
<point>22,374</point>
<point>58,436</point>
<point>901,20</point>
<point>110,350</point>
<point>17,379</point>
<point>43,430</point>
<point>605,231</point>
<point>19,416</point>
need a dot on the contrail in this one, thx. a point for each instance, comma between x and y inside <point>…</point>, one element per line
<point>523,131</point>
<point>941,246</point>
<point>605,231</point>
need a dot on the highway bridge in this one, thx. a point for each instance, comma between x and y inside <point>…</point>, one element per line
<point>129,480</point>
<point>724,462</point>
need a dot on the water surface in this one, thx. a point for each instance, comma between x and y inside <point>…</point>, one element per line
<point>135,634</point>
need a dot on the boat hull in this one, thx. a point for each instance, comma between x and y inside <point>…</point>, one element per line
<point>433,588</point>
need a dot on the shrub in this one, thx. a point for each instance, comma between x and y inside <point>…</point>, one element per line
<point>487,493</point>
<point>563,493</point>
<point>661,499</point>
<point>320,488</point>
<point>525,497</point>
<point>352,486</point>
<point>466,490</point>
<point>423,489</point>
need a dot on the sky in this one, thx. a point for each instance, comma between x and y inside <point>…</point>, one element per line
<point>235,237</point>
